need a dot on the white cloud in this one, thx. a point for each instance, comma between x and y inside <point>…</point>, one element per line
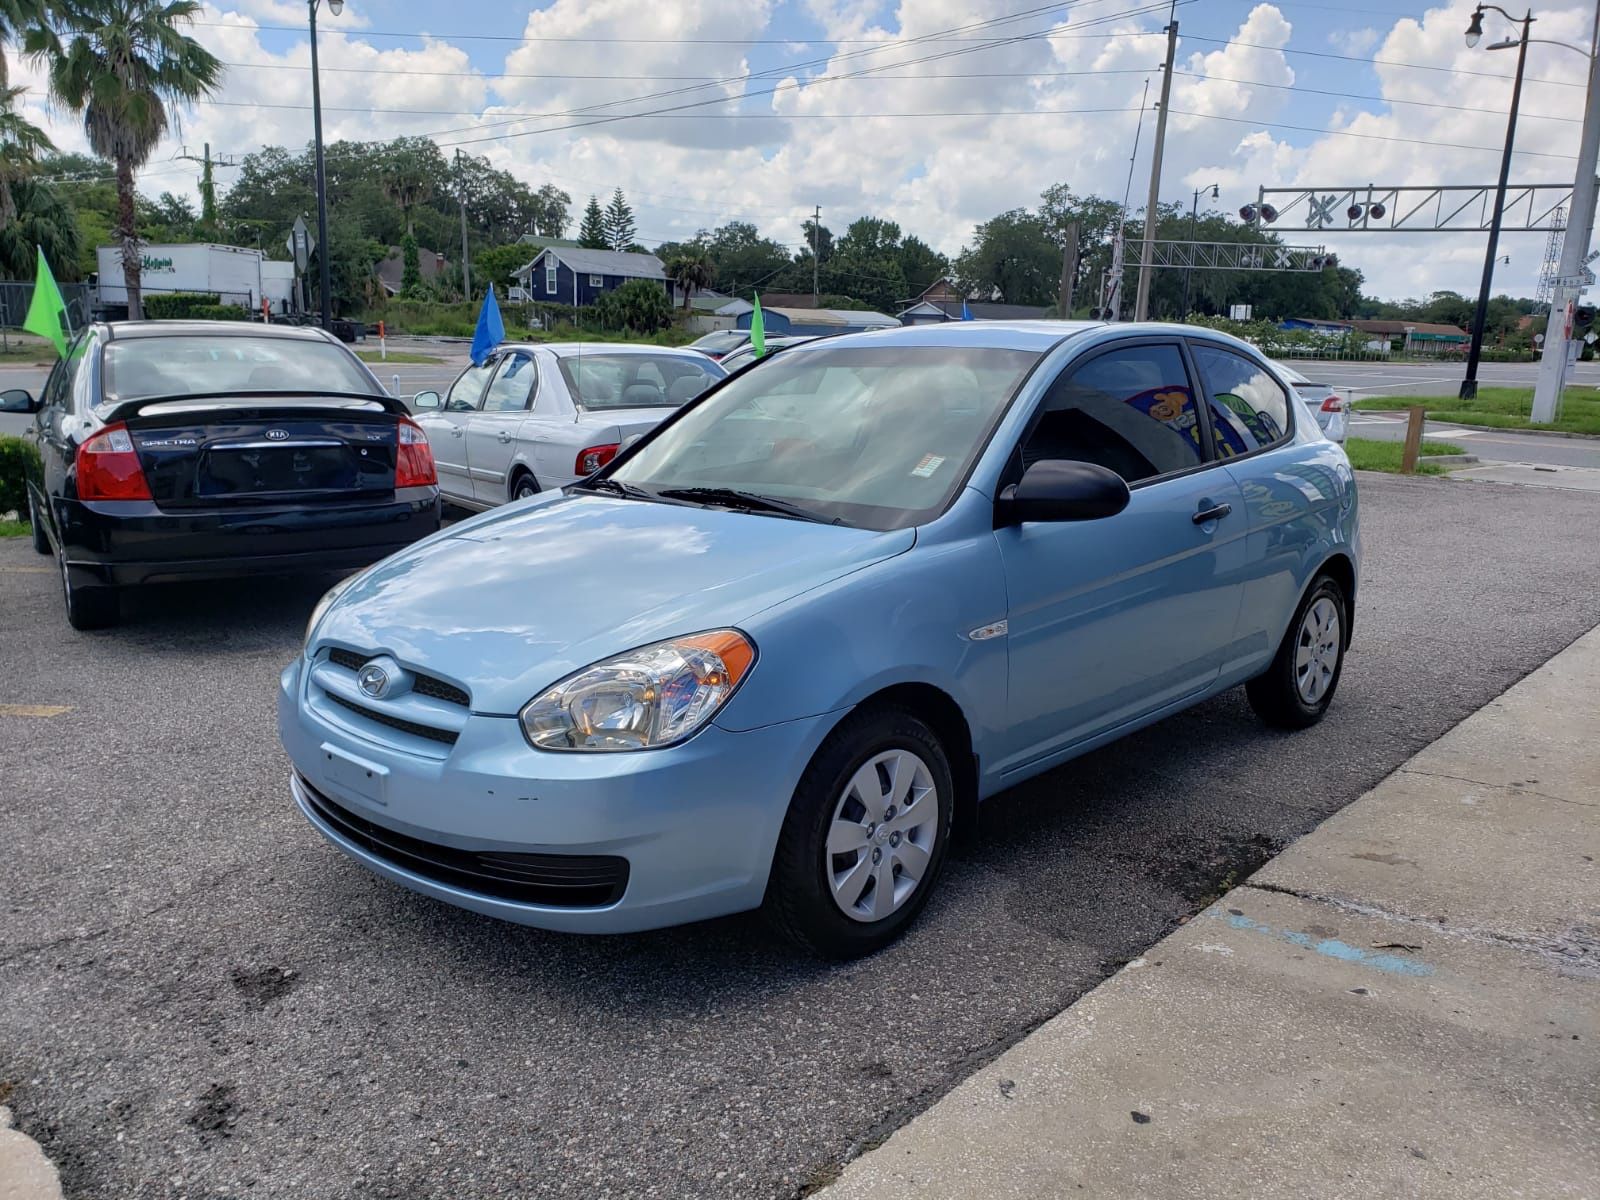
<point>1358,42</point>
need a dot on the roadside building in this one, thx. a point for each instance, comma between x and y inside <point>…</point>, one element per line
<point>577,276</point>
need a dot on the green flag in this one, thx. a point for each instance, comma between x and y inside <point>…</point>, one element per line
<point>47,313</point>
<point>758,329</point>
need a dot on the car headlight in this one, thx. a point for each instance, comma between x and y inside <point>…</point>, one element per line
<point>652,696</point>
<point>324,604</point>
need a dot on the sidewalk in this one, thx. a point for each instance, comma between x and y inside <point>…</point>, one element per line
<point>1404,1003</point>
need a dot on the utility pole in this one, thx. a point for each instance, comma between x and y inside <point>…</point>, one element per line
<point>466,270</point>
<point>1147,254</point>
<point>1469,385</point>
<point>208,187</point>
<point>1069,271</point>
<point>324,272</point>
<point>816,237</point>
<point>1574,250</point>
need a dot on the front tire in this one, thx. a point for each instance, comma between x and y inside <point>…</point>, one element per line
<point>1295,691</point>
<point>41,540</point>
<point>865,837</point>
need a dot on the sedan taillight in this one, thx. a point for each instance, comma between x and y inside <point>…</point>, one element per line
<point>108,467</point>
<point>1333,404</point>
<point>413,465</point>
<point>591,458</point>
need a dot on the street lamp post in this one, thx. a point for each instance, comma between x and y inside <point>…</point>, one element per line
<point>1194,218</point>
<point>1469,385</point>
<point>335,7</point>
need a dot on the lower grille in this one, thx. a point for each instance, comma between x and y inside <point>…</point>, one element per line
<point>432,733</point>
<point>552,880</point>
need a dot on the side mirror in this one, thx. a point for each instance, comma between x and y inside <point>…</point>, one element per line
<point>426,400</point>
<point>1061,490</point>
<point>18,400</point>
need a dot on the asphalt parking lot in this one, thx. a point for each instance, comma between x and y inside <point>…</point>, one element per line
<point>199,998</point>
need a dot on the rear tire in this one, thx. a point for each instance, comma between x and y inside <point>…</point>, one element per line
<point>41,540</point>
<point>89,607</point>
<point>859,838</point>
<point>524,486</point>
<point>1295,691</point>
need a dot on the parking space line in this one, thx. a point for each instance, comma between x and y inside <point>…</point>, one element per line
<point>34,710</point>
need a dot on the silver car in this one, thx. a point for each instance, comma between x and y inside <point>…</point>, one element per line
<point>537,417</point>
<point>1324,404</point>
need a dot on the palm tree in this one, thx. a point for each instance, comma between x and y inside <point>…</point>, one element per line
<point>43,219</point>
<point>121,63</point>
<point>691,272</point>
<point>21,143</point>
<point>18,18</point>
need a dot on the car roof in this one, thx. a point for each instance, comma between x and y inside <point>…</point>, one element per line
<point>575,349</point>
<point>128,330</point>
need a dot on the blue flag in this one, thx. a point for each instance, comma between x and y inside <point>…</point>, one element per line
<point>966,313</point>
<point>491,330</point>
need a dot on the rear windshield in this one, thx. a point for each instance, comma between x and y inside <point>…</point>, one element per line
<point>188,365</point>
<point>722,339</point>
<point>637,380</point>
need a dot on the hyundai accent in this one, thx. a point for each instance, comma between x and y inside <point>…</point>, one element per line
<point>776,650</point>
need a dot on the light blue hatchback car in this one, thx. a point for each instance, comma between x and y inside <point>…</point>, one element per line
<point>779,647</point>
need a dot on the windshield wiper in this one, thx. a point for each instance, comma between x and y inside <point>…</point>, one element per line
<point>616,487</point>
<point>748,501</point>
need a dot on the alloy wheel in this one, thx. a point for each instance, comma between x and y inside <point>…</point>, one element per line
<point>880,842</point>
<point>1316,655</point>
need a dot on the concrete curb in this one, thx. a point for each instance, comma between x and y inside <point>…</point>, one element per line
<point>1554,433</point>
<point>1449,460</point>
<point>1405,1002</point>
<point>25,1173</point>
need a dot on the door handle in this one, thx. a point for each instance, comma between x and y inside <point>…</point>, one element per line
<point>1214,513</point>
<point>503,436</point>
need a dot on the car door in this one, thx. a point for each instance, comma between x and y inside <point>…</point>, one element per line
<point>446,428</point>
<point>58,421</point>
<point>1294,497</point>
<point>492,432</point>
<point>1112,619</point>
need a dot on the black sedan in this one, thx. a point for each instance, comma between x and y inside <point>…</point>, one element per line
<point>193,449</point>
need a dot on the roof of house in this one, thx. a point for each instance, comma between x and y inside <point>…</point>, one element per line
<point>1393,327</point>
<point>981,310</point>
<point>604,262</point>
<point>534,239</point>
<point>391,270</point>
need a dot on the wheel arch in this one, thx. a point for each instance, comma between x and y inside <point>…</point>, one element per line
<point>945,716</point>
<point>519,470</point>
<point>1343,570</point>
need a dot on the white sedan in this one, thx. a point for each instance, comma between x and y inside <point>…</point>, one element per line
<point>1324,404</point>
<point>536,417</point>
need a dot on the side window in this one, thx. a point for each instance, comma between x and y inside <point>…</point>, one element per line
<point>466,391</point>
<point>513,385</point>
<point>1249,409</point>
<point>550,278</point>
<point>57,395</point>
<point>1131,410</point>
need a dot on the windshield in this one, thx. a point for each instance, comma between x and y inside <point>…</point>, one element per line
<point>722,339</point>
<point>190,364</point>
<point>637,380</point>
<point>875,436</point>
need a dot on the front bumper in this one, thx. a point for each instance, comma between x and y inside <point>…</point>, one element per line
<point>696,823</point>
<point>133,541</point>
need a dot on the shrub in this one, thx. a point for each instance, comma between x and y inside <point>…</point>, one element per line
<point>177,306</point>
<point>220,312</point>
<point>15,455</point>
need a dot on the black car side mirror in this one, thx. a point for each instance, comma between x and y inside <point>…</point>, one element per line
<point>425,400</point>
<point>18,400</point>
<point>1056,489</point>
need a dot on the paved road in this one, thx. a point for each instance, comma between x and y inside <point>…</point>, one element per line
<point>198,997</point>
<point>1487,445</point>
<point>1430,379</point>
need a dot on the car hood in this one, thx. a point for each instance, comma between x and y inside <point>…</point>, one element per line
<point>510,602</point>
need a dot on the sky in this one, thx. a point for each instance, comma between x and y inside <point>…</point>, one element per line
<point>935,113</point>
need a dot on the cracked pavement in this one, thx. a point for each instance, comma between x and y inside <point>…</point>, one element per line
<point>200,998</point>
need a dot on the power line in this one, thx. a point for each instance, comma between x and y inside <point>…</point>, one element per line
<point>1376,62</point>
<point>755,116</point>
<point>1310,91</point>
<point>1373,137</point>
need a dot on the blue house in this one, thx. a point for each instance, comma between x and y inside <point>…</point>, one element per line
<point>575,276</point>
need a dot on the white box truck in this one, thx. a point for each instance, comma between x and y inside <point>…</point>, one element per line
<point>232,272</point>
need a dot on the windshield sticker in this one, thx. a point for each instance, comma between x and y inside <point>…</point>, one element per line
<point>928,465</point>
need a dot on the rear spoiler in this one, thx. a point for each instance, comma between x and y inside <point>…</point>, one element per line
<point>121,410</point>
